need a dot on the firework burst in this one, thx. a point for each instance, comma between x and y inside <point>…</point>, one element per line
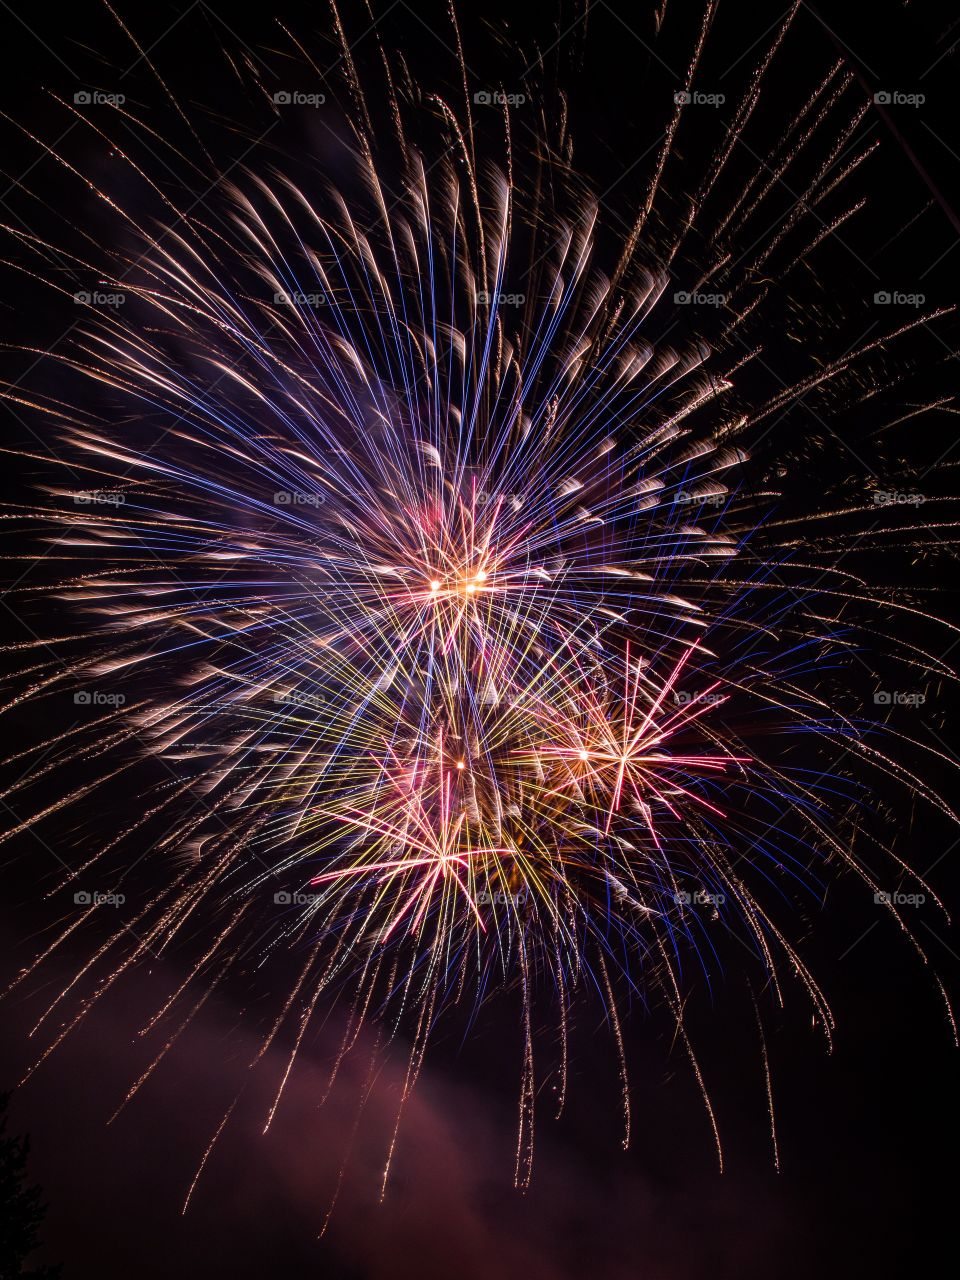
<point>454,647</point>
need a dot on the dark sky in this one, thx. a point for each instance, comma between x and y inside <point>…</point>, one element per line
<point>865,1187</point>
<point>867,1135</point>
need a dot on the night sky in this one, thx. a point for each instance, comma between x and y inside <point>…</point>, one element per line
<point>867,1135</point>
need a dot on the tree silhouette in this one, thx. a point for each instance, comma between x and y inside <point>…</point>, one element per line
<point>21,1208</point>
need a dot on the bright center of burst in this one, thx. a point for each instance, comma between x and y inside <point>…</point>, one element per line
<point>468,585</point>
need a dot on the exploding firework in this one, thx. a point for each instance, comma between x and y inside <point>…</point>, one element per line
<point>424,592</point>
